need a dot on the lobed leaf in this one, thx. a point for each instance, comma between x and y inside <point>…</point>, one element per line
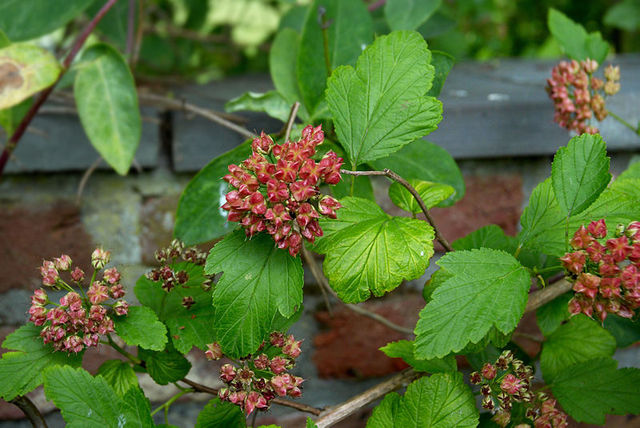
<point>119,375</point>
<point>431,193</point>
<point>271,103</point>
<point>409,14</point>
<point>574,39</point>
<point>577,341</point>
<point>141,327</point>
<point>166,366</point>
<point>405,349</point>
<point>381,106</point>
<point>259,283</point>
<point>487,288</point>
<point>220,414</point>
<point>580,172</point>
<point>368,251</point>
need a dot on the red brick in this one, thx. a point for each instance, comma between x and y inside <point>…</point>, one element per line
<point>33,233</point>
<point>494,199</point>
<point>349,349</point>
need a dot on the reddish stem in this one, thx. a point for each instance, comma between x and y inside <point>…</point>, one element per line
<point>26,120</point>
<point>376,5</point>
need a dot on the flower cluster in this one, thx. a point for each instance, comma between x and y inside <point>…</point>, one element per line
<point>276,189</point>
<point>77,322</point>
<point>508,381</point>
<point>605,273</point>
<point>578,95</point>
<point>249,391</point>
<point>174,253</point>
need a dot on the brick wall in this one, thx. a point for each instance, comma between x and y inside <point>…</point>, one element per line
<point>504,145</point>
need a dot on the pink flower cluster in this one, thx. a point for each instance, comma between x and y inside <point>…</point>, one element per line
<point>605,273</point>
<point>77,322</point>
<point>509,380</point>
<point>174,253</point>
<point>578,95</point>
<point>277,189</point>
<point>251,392</point>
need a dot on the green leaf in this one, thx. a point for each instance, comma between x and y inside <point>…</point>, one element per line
<point>624,15</point>
<point>283,57</point>
<point>25,69</point>
<point>409,14</point>
<point>349,29</point>
<point>590,390</point>
<point>114,23</point>
<point>551,315</point>
<point>87,401</point>
<point>487,288</point>
<point>491,236</point>
<point>310,423</point>
<point>577,341</point>
<point>119,375</point>
<point>166,366</point>
<point>385,414</point>
<point>220,414</point>
<point>362,188</point>
<point>107,103</point>
<point>543,221</point>
<point>443,63</point>
<point>439,401</point>
<point>425,161</point>
<point>368,251</point>
<point>381,106</point>
<point>200,217</point>
<point>187,327</point>
<point>626,331</point>
<point>404,349</point>
<point>10,118</point>
<point>21,371</point>
<point>574,39</point>
<point>138,405</point>
<point>260,281</point>
<point>431,193</point>
<point>141,327</point>
<point>40,17</point>
<point>271,103</point>
<point>580,172</point>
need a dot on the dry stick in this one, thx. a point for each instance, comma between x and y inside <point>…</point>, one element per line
<point>324,285</point>
<point>395,177</point>
<point>30,410</point>
<point>319,276</point>
<point>139,33</point>
<point>26,120</point>
<point>85,178</point>
<point>280,401</point>
<point>185,106</point>
<point>341,411</point>
<point>292,118</point>
<point>131,23</point>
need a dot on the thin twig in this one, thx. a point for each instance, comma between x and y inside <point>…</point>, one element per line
<point>395,177</point>
<point>185,106</point>
<point>337,413</point>
<point>131,23</point>
<point>280,401</point>
<point>85,178</point>
<point>139,33</point>
<point>26,120</point>
<point>30,410</point>
<point>324,284</point>
<point>547,294</point>
<point>292,118</point>
<point>319,276</point>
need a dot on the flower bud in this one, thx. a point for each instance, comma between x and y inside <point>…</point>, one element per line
<point>99,258</point>
<point>62,263</point>
<point>213,352</point>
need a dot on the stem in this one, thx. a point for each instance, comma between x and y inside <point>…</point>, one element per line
<point>292,118</point>
<point>319,276</point>
<point>395,177</point>
<point>131,23</point>
<point>182,105</point>
<point>324,284</point>
<point>280,401</point>
<point>341,411</point>
<point>139,33</point>
<point>130,357</point>
<point>527,336</point>
<point>171,400</point>
<point>324,26</point>
<point>26,120</point>
<point>376,5</point>
<point>30,410</point>
<point>547,294</point>
<point>624,122</point>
